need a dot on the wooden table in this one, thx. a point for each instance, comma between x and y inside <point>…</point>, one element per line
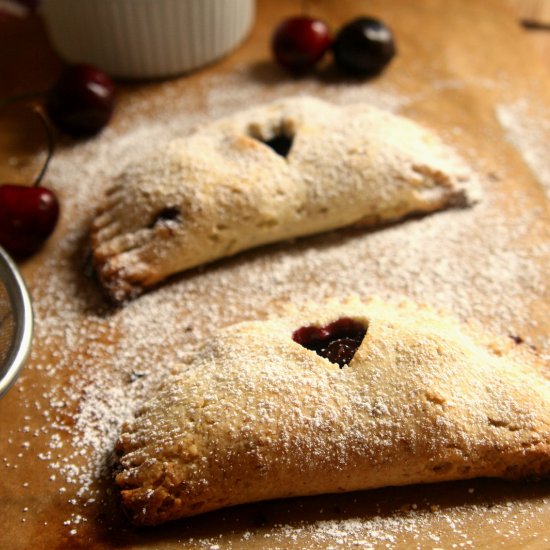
<point>535,18</point>
<point>466,69</point>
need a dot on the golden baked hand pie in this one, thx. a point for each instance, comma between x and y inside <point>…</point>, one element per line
<point>291,168</point>
<point>342,397</point>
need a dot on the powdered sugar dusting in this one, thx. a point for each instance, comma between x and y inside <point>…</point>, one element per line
<point>106,362</point>
<point>293,416</point>
<point>529,134</point>
<point>347,164</point>
<point>382,531</point>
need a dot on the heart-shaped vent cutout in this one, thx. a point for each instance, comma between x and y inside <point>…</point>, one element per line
<point>170,214</point>
<point>337,341</point>
<point>281,144</point>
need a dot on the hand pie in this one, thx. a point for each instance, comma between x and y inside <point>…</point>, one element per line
<point>342,397</point>
<point>291,168</point>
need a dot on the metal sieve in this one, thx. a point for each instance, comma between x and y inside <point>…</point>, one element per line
<point>15,322</point>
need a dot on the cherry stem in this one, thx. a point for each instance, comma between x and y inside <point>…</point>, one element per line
<point>51,144</point>
<point>305,7</point>
<point>21,97</point>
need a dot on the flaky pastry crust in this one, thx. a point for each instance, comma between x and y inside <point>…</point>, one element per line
<point>257,416</point>
<point>223,189</point>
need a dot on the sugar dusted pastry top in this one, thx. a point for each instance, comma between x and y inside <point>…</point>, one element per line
<point>255,415</point>
<point>223,189</point>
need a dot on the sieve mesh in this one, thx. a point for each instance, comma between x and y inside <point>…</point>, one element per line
<point>7,325</point>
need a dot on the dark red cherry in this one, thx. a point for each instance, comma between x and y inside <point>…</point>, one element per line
<point>28,215</point>
<point>300,42</point>
<point>337,341</point>
<point>82,100</point>
<point>364,46</point>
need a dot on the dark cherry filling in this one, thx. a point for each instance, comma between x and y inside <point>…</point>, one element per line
<point>337,342</point>
<point>281,144</point>
<point>171,213</point>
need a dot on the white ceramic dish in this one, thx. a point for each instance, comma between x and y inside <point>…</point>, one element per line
<point>147,38</point>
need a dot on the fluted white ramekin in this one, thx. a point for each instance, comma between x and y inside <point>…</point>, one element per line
<point>146,38</point>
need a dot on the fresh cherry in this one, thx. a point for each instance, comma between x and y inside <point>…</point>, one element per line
<point>82,100</point>
<point>28,215</point>
<point>364,46</point>
<point>337,342</point>
<point>300,42</point>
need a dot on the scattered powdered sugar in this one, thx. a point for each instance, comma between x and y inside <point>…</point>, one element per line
<point>219,103</point>
<point>530,135</point>
<point>102,363</point>
<point>415,526</point>
<point>385,531</point>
